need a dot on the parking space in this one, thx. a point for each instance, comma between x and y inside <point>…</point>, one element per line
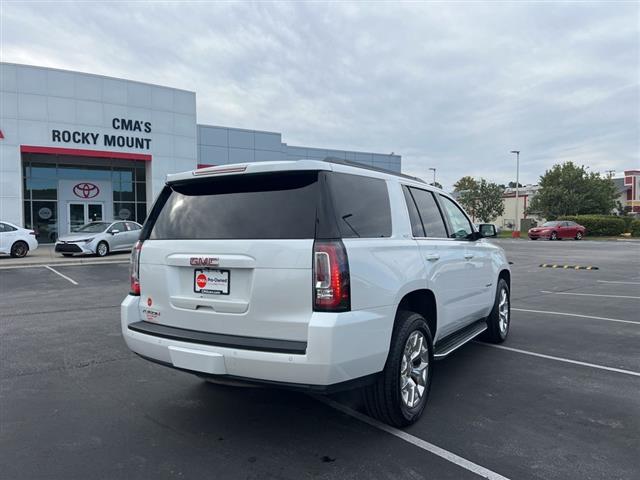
<point>561,402</point>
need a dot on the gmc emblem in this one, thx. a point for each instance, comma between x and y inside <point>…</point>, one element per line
<point>204,261</point>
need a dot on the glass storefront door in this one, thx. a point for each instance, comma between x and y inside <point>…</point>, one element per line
<point>94,212</point>
<point>80,213</point>
<point>75,216</point>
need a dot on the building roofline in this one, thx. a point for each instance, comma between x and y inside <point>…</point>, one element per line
<point>94,75</point>
<point>238,128</point>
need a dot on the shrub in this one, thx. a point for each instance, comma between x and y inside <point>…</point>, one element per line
<point>599,225</point>
<point>635,228</point>
<point>627,223</point>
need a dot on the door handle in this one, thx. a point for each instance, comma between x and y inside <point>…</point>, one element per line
<point>468,256</point>
<point>432,257</point>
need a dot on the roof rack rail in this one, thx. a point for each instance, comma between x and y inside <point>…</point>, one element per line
<point>341,161</point>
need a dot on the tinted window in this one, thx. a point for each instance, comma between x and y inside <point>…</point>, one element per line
<point>120,226</point>
<point>361,205</point>
<point>133,226</point>
<point>429,213</point>
<point>264,206</point>
<point>459,222</point>
<point>2,227</point>
<point>416,224</point>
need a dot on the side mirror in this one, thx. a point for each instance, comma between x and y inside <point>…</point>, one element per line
<point>113,232</point>
<point>488,230</point>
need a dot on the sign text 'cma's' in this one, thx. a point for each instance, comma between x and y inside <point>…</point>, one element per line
<point>106,139</point>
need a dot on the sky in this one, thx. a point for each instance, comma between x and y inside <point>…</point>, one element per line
<point>451,86</point>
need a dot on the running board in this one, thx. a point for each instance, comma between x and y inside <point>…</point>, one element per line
<point>454,341</point>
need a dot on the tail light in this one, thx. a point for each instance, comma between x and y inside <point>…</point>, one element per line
<point>32,233</point>
<point>331,284</point>
<point>134,269</point>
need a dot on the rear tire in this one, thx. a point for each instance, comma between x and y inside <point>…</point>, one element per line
<point>102,249</point>
<point>553,236</point>
<point>399,395</point>
<point>19,249</point>
<point>579,236</point>
<point>499,320</point>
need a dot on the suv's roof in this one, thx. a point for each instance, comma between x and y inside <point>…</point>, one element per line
<point>328,164</point>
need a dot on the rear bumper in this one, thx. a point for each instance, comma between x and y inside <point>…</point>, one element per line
<point>341,348</point>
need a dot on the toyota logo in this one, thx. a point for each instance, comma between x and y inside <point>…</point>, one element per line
<point>86,190</point>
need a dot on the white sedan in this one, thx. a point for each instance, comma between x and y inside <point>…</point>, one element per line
<point>99,238</point>
<point>16,241</point>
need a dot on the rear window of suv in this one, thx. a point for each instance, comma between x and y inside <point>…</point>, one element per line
<point>361,205</point>
<point>260,206</point>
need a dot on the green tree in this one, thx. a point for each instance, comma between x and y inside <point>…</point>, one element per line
<point>481,199</point>
<point>568,189</point>
<point>490,204</point>
<point>465,183</point>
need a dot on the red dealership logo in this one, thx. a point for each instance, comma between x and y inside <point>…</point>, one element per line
<point>86,190</point>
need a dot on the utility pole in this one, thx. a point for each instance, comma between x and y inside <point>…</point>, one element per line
<point>516,233</point>
<point>434,175</point>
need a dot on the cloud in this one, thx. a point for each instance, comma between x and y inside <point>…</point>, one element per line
<point>451,86</point>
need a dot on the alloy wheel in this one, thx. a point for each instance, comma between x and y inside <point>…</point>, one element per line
<point>102,249</point>
<point>414,369</point>
<point>503,312</point>
<point>20,250</point>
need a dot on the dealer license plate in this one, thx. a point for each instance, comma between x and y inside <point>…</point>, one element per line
<point>215,282</point>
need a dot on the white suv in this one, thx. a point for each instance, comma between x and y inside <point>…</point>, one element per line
<point>320,275</point>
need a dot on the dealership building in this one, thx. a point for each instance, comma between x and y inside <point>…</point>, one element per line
<point>76,147</point>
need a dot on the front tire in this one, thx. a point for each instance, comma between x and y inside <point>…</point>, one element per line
<point>399,395</point>
<point>19,249</point>
<point>102,249</point>
<point>499,320</point>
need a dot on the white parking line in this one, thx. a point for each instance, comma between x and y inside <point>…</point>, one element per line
<point>560,359</point>
<point>418,442</point>
<point>575,315</point>
<point>62,275</point>
<point>63,264</point>
<point>622,283</point>
<point>589,294</point>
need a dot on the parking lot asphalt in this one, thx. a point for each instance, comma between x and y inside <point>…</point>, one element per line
<point>560,401</point>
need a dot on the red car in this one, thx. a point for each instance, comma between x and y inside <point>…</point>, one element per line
<point>558,231</point>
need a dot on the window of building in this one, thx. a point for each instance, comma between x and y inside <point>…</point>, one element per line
<point>41,174</point>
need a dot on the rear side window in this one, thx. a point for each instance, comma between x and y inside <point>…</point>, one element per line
<point>262,206</point>
<point>361,205</point>
<point>429,213</point>
<point>417,229</point>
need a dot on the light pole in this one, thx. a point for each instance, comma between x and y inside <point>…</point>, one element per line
<point>516,233</point>
<point>434,175</point>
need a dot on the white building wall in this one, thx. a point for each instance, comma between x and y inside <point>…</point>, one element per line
<point>34,101</point>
